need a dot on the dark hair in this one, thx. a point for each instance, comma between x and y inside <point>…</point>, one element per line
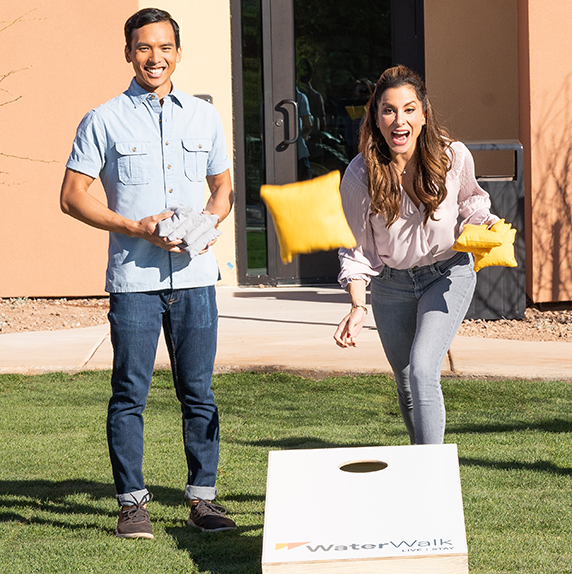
<point>149,16</point>
<point>305,70</point>
<point>433,161</point>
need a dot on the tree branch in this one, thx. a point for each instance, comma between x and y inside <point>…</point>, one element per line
<point>19,19</point>
<point>28,158</point>
<point>10,101</point>
<point>4,76</point>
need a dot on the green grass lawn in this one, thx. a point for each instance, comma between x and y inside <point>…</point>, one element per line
<point>58,514</point>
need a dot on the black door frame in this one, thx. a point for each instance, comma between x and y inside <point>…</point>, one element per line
<point>408,34</point>
<point>408,48</point>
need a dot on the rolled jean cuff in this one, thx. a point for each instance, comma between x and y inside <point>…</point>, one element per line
<point>131,498</point>
<point>203,492</point>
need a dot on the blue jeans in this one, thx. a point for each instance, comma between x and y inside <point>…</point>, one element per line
<point>189,318</point>
<point>417,313</point>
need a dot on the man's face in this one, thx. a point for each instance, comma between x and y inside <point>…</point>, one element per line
<point>154,56</point>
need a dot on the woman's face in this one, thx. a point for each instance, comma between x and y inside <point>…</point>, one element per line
<point>400,118</point>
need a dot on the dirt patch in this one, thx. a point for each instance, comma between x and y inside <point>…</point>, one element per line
<point>23,314</point>
<point>538,325</point>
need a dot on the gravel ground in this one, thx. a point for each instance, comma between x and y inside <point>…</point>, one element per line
<point>24,314</point>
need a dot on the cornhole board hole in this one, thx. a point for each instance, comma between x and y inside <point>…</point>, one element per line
<point>366,510</point>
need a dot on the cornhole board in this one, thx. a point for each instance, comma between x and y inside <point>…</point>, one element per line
<point>366,510</point>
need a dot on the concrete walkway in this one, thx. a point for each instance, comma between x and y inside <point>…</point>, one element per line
<point>287,329</point>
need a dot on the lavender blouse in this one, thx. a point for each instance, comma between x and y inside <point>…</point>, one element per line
<point>408,242</point>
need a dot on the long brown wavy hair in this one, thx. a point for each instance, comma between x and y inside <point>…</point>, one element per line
<point>433,161</point>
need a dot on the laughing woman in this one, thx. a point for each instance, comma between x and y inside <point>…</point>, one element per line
<point>403,196</point>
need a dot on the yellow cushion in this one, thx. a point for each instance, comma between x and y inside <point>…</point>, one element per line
<point>503,255</point>
<point>308,215</point>
<point>477,237</point>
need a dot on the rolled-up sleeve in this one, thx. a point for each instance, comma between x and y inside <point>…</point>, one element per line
<point>218,158</point>
<point>88,150</point>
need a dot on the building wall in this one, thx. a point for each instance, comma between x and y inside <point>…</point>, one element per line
<point>501,69</point>
<point>545,66</point>
<point>496,69</point>
<point>67,58</point>
<point>471,59</point>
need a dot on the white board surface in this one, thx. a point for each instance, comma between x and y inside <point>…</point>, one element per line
<point>317,513</point>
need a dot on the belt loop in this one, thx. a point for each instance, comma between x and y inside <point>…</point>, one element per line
<point>433,268</point>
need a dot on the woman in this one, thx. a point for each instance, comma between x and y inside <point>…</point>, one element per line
<point>403,196</point>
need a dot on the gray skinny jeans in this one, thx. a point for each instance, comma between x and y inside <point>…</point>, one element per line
<point>417,313</point>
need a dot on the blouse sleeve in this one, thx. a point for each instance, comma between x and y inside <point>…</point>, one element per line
<point>474,201</point>
<point>360,261</point>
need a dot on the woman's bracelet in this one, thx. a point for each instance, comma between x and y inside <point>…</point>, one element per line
<point>359,306</point>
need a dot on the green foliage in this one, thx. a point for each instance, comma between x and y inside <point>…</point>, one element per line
<point>57,507</point>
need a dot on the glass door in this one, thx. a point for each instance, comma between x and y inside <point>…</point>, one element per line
<point>308,67</point>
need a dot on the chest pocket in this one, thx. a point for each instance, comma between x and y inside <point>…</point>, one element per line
<point>133,162</point>
<point>196,155</point>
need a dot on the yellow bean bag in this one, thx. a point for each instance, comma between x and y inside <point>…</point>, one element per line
<point>493,246</point>
<point>477,237</point>
<point>308,215</point>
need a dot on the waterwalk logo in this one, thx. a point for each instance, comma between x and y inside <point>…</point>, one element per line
<point>290,545</point>
<point>406,546</point>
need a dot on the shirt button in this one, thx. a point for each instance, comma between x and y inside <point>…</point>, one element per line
<point>166,143</point>
<point>134,149</point>
<point>168,167</point>
<point>152,96</point>
<point>170,191</point>
<point>200,146</point>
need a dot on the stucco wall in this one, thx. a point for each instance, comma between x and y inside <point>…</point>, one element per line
<point>501,69</point>
<point>545,45</point>
<point>68,58</point>
<point>471,58</point>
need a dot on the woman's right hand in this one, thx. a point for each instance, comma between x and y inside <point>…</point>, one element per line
<point>350,327</point>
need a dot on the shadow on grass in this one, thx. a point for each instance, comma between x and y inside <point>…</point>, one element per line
<point>302,443</point>
<point>232,552</point>
<point>56,497</point>
<point>52,496</point>
<point>538,466</point>
<point>222,552</point>
<point>550,425</point>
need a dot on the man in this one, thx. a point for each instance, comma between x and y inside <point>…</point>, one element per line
<point>153,147</point>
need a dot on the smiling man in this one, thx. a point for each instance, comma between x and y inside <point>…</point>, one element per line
<point>153,147</point>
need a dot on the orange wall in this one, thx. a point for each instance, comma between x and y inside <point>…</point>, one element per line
<point>70,57</point>
<point>471,60</point>
<point>545,48</point>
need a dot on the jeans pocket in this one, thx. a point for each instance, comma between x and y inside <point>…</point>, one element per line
<point>195,157</point>
<point>132,162</point>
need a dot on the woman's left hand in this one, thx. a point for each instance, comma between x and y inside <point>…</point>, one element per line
<point>350,327</point>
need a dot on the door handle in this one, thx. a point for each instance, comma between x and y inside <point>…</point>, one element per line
<point>294,104</point>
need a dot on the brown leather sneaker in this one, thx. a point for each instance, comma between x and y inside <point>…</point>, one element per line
<point>209,517</point>
<point>134,520</point>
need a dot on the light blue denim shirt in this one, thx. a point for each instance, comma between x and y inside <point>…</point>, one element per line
<point>150,157</point>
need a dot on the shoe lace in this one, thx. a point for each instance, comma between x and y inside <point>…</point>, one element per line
<point>204,507</point>
<point>133,510</point>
